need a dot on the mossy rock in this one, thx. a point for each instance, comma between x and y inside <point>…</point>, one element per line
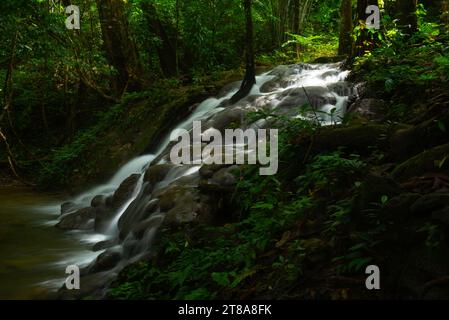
<point>432,160</point>
<point>354,138</point>
<point>412,140</point>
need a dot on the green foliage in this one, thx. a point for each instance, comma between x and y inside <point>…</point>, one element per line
<point>329,172</point>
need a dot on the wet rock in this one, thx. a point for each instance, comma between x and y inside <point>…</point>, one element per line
<point>92,286</point>
<point>228,88</point>
<point>150,223</point>
<point>314,96</point>
<point>98,201</point>
<point>105,261</point>
<point>183,204</point>
<point>342,88</point>
<point>103,215</point>
<point>225,176</point>
<point>280,71</point>
<point>174,195</point>
<point>191,212</point>
<point>372,109</point>
<point>271,85</point>
<point>130,247</point>
<point>330,73</point>
<point>157,173</point>
<point>124,191</point>
<point>67,207</point>
<point>228,119</point>
<point>208,170</point>
<point>133,217</point>
<point>82,219</point>
<point>222,181</point>
<point>430,202</point>
<point>105,244</point>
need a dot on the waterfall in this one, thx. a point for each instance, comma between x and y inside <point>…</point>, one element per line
<point>283,89</point>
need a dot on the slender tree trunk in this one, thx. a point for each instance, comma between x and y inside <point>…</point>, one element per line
<point>444,17</point>
<point>177,38</point>
<point>364,41</point>
<point>250,75</point>
<point>296,25</point>
<point>167,51</point>
<point>345,41</point>
<point>120,50</point>
<point>406,10</point>
<point>5,110</point>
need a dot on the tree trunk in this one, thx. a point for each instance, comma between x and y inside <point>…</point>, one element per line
<point>120,50</point>
<point>444,17</point>
<point>167,50</point>
<point>364,41</point>
<point>296,24</point>
<point>250,75</point>
<point>345,40</point>
<point>406,10</point>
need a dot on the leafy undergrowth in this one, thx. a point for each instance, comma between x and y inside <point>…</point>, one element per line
<point>409,74</point>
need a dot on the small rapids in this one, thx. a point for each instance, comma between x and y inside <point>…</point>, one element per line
<point>151,189</point>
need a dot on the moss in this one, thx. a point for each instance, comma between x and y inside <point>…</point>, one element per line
<point>430,160</point>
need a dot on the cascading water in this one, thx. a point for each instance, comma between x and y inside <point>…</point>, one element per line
<point>284,89</point>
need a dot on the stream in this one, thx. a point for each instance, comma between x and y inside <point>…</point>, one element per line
<point>34,253</point>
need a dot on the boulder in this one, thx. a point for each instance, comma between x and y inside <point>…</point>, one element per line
<point>199,212</point>
<point>342,88</point>
<point>147,224</point>
<point>176,195</point>
<point>183,204</point>
<point>157,173</point>
<point>428,161</point>
<point>105,244</point>
<point>98,201</point>
<point>105,261</point>
<point>67,207</point>
<point>371,109</point>
<point>225,177</point>
<point>103,215</point>
<point>82,219</point>
<point>208,170</point>
<point>227,119</point>
<point>131,218</point>
<point>124,191</point>
<point>92,286</point>
<point>315,96</point>
<point>228,88</point>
